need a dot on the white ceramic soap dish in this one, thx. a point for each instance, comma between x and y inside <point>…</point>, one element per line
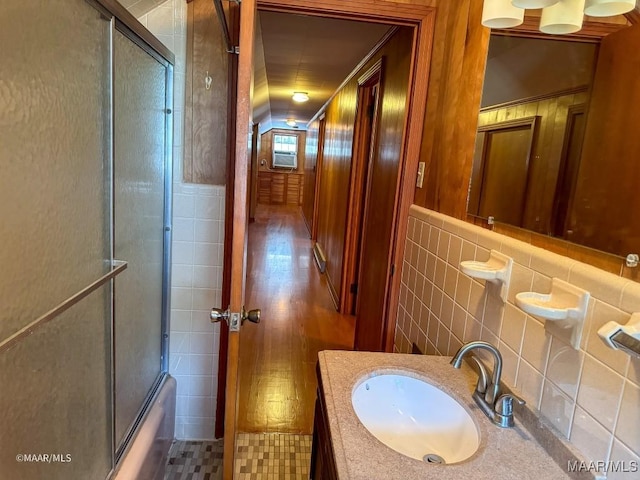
<point>564,309</point>
<point>496,270</point>
<point>623,337</point>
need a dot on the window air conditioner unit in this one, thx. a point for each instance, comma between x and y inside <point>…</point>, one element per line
<point>285,160</point>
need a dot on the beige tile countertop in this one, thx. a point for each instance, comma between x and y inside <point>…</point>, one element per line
<point>511,453</point>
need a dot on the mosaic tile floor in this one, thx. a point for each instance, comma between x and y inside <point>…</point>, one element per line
<point>268,456</point>
<point>190,460</point>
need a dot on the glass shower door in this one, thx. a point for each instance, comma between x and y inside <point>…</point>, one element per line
<point>55,384</point>
<point>140,91</point>
<point>84,179</point>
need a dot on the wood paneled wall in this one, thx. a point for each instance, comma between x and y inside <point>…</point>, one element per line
<point>455,90</point>
<point>546,152</point>
<point>334,190</point>
<point>338,144</point>
<point>205,136</point>
<point>606,202</point>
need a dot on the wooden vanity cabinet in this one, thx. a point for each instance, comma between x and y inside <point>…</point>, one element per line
<point>322,461</point>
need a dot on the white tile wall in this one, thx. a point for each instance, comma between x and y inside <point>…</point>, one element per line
<point>591,395</point>
<point>198,235</point>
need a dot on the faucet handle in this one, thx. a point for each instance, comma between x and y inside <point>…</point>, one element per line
<point>504,404</point>
<point>503,410</point>
<point>483,377</point>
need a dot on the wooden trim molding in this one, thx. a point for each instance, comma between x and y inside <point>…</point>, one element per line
<point>536,98</point>
<point>520,122</point>
<point>376,48</point>
<point>633,16</point>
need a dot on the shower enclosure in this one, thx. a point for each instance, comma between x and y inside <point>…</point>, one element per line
<point>85,190</point>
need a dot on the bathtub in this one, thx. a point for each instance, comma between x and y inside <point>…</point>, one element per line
<point>147,456</point>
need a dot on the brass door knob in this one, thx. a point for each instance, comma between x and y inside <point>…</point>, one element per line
<point>252,315</point>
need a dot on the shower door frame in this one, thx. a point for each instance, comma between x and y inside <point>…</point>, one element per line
<point>124,22</point>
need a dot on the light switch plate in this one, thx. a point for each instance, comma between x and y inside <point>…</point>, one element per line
<point>420,175</point>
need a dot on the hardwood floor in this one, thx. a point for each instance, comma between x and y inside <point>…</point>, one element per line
<point>278,356</point>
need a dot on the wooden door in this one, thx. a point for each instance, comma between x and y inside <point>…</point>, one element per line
<point>365,143</point>
<point>569,167</point>
<point>239,235</point>
<point>506,170</point>
<point>501,175</point>
<point>311,181</point>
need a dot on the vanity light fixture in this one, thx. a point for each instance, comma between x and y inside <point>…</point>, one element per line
<point>300,97</point>
<point>608,8</point>
<point>558,16</point>
<point>501,14</point>
<point>564,17</point>
<point>533,3</point>
<point>291,122</point>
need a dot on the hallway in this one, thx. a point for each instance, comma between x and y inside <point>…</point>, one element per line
<point>278,356</point>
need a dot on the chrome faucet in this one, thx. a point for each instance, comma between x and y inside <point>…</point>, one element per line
<point>499,408</point>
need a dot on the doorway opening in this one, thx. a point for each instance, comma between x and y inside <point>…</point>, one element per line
<point>420,21</point>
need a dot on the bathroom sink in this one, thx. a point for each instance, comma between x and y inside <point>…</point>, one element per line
<point>415,418</point>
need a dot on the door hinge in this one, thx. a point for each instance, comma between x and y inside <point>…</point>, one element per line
<point>235,50</point>
<point>354,288</point>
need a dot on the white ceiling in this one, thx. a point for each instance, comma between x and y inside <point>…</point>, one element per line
<point>308,54</point>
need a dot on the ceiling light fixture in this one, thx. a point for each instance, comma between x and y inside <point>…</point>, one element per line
<point>300,97</point>
<point>558,16</point>
<point>291,122</point>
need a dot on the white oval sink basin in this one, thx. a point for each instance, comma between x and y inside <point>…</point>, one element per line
<point>415,418</point>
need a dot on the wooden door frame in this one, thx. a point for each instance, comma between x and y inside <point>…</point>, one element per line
<point>566,187</point>
<point>322,124</point>
<point>533,123</point>
<point>364,148</point>
<point>422,19</point>
<point>234,29</point>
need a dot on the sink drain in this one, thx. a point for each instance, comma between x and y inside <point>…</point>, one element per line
<point>433,458</point>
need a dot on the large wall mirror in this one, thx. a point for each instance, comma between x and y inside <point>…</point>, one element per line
<point>558,142</point>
